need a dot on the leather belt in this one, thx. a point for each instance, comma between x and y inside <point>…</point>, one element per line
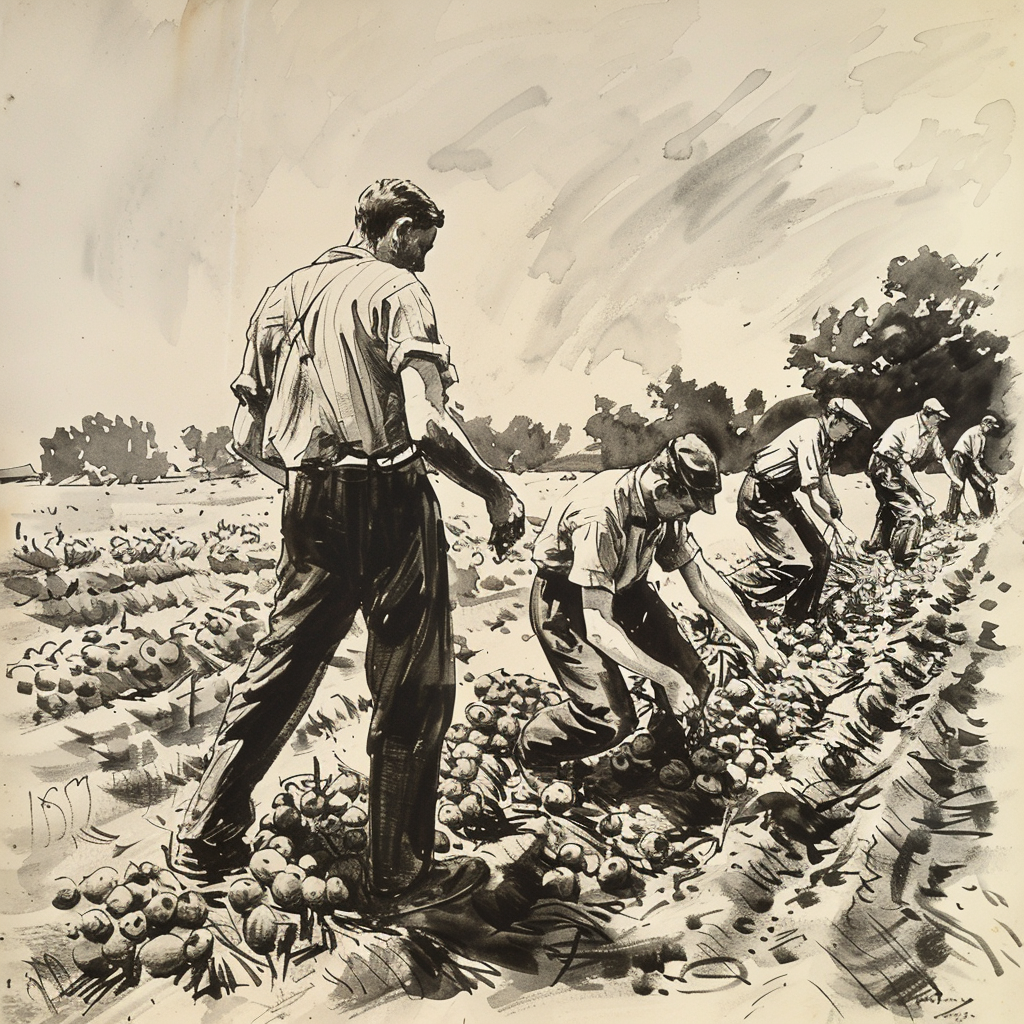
<point>388,461</point>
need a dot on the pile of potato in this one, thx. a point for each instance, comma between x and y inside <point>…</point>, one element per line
<point>139,917</point>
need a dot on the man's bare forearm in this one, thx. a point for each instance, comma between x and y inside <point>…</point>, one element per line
<point>448,449</point>
<point>716,597</point>
<point>441,438</point>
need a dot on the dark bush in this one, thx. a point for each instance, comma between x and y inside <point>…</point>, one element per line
<point>211,453</point>
<point>105,451</point>
<point>918,346</point>
<point>523,445</point>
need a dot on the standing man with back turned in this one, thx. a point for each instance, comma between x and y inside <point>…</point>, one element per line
<point>345,388</point>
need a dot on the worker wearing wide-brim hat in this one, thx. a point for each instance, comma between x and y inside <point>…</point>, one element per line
<point>595,612</point>
<point>794,556</point>
<point>908,444</point>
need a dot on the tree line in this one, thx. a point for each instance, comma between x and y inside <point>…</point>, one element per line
<point>918,343</point>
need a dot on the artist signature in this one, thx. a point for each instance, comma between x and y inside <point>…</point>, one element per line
<point>957,1012</point>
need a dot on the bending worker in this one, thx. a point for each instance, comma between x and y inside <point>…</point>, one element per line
<point>968,460</point>
<point>795,556</point>
<point>909,443</point>
<point>595,612</point>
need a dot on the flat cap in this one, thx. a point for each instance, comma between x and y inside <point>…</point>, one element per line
<point>849,410</point>
<point>692,463</point>
<point>934,407</point>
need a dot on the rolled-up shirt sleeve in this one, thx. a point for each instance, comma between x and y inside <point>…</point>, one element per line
<point>809,460</point>
<point>412,331</point>
<point>596,547</point>
<point>254,384</point>
<point>677,548</point>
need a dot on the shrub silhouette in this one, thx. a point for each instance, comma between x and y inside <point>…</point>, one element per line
<point>211,454</point>
<point>105,451</point>
<point>917,346</point>
<point>522,446</point>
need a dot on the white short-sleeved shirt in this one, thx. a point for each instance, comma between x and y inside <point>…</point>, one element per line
<point>601,535</point>
<point>971,444</point>
<point>363,320</point>
<point>798,457</point>
<point>909,440</point>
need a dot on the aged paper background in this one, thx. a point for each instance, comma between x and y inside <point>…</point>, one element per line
<point>164,161</point>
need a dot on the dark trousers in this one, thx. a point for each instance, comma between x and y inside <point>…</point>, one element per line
<point>899,522</point>
<point>358,539</point>
<point>785,570</point>
<point>599,712</point>
<point>967,471</point>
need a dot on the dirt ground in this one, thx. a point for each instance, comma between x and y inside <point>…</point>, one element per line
<point>759,910</point>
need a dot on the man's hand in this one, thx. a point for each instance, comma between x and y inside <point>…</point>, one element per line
<point>844,534</point>
<point>508,522</point>
<point>679,692</point>
<point>768,661</point>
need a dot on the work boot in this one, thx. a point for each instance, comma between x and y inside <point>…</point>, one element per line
<point>448,880</point>
<point>207,862</point>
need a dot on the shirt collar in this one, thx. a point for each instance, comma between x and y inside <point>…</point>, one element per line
<point>343,252</point>
<point>637,512</point>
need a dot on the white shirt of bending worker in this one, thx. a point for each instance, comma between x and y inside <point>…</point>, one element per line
<point>913,440</point>
<point>806,449</point>
<point>708,588</point>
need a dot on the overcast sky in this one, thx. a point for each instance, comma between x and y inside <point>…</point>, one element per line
<point>627,185</point>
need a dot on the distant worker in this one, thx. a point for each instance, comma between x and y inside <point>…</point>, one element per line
<point>796,555</point>
<point>968,459</point>
<point>595,612</point>
<point>908,444</point>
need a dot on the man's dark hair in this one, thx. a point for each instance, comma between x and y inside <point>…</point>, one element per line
<point>385,201</point>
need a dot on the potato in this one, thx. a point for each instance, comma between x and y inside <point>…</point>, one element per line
<point>354,817</point>
<point>557,797</point>
<point>283,845</point>
<point>244,894</point>
<point>471,806</point>
<point>96,926</point>
<point>199,945</point>
<point>265,864</point>
<point>337,892</point>
<point>467,751</point>
<point>312,804</point>
<point>708,783</point>
<point>90,959</point>
<point>191,910</point>
<point>560,883</point>
<point>260,930</point>
<point>67,894</point>
<point>613,874</point>
<point>160,910</point>
<point>571,856</point>
<point>134,926</point>
<point>120,900</point>
<point>654,846</point>
<point>118,948</point>
<point>163,956</point>
<point>314,891</point>
<point>674,775</point>
<point>96,887</point>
